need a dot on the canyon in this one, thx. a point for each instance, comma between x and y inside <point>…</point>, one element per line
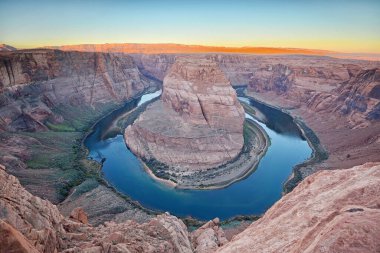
<point>49,99</point>
<point>196,126</point>
<point>53,199</point>
<point>61,78</point>
<point>198,109</point>
<point>336,98</point>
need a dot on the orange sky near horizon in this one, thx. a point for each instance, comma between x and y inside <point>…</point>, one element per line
<point>346,26</point>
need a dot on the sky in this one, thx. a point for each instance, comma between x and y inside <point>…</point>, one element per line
<point>338,25</point>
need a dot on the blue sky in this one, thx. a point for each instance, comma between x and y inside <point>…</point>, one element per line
<point>347,26</point>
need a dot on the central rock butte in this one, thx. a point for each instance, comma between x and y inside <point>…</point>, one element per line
<point>197,124</point>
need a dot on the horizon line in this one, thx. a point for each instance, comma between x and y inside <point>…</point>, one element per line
<point>205,46</point>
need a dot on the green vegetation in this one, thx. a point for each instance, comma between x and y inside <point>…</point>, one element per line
<point>78,118</point>
<point>159,169</point>
<point>61,148</point>
<point>86,186</point>
<point>236,220</point>
<point>63,151</point>
<point>126,119</point>
<point>59,127</point>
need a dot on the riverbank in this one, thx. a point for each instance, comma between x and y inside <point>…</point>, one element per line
<point>101,200</point>
<point>319,153</point>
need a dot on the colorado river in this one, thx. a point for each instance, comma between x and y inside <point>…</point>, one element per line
<point>252,195</point>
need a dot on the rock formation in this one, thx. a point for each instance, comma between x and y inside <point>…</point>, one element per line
<point>208,237</point>
<point>34,82</point>
<point>330,211</point>
<point>62,94</point>
<point>30,224</point>
<point>336,98</point>
<point>13,241</point>
<point>335,211</point>
<point>197,124</point>
<point>6,48</point>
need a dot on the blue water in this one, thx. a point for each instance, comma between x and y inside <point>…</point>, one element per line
<point>252,195</point>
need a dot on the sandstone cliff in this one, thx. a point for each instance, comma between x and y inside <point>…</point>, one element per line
<point>48,98</point>
<point>198,124</point>
<point>330,211</point>
<point>155,65</point>
<point>30,224</point>
<point>345,89</point>
<point>33,83</point>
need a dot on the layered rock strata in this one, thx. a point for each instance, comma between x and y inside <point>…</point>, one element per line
<point>61,94</point>
<point>35,82</point>
<point>198,123</point>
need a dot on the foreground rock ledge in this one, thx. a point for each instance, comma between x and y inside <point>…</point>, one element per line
<point>330,211</point>
<point>198,123</point>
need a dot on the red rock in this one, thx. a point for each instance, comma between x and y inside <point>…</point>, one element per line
<point>12,241</point>
<point>330,211</point>
<point>80,215</point>
<point>62,78</point>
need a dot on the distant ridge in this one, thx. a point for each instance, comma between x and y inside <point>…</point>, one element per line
<point>168,48</point>
<point>7,48</point>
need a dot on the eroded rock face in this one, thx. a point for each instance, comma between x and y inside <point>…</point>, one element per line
<point>330,211</point>
<point>37,219</point>
<point>30,224</point>
<point>343,88</point>
<point>79,214</point>
<point>208,237</point>
<point>33,83</point>
<point>13,241</point>
<point>197,124</point>
<point>199,92</point>
<point>338,99</point>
